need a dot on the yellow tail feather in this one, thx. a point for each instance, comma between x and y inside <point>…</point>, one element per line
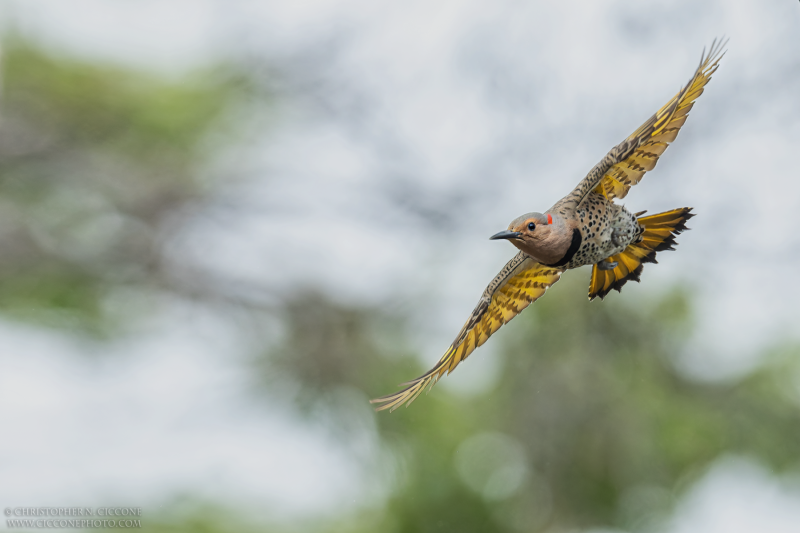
<point>659,234</point>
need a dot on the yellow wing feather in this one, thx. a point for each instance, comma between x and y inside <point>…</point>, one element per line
<point>520,283</point>
<point>653,137</point>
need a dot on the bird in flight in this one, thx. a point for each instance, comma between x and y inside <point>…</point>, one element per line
<point>585,227</point>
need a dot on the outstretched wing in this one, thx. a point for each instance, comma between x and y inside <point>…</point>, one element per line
<point>521,282</point>
<point>653,137</point>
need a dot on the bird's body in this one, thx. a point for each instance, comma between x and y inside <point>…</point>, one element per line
<point>604,229</point>
<point>599,223</point>
<point>585,227</point>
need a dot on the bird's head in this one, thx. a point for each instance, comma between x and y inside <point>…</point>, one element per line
<point>545,237</point>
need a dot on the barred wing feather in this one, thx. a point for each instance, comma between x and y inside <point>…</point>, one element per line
<point>521,282</point>
<point>653,137</point>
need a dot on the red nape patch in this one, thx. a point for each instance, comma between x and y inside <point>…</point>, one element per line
<point>549,219</point>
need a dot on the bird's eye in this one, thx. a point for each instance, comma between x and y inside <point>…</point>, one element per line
<point>531,226</point>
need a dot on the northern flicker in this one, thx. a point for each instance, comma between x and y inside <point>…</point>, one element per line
<point>584,228</point>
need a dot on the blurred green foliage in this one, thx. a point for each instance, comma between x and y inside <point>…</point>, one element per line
<point>591,423</point>
<point>94,163</point>
<point>123,111</point>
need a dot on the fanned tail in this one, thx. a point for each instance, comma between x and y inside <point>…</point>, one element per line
<point>659,234</point>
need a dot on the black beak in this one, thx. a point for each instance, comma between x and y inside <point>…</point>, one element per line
<point>505,234</point>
